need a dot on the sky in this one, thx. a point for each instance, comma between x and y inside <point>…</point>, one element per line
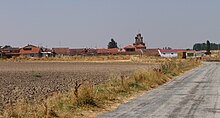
<point>92,23</point>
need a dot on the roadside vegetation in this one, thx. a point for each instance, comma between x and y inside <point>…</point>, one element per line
<point>88,99</point>
<point>215,57</point>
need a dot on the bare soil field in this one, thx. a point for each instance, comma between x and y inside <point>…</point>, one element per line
<point>32,81</point>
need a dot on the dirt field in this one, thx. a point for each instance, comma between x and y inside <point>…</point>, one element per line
<point>32,81</point>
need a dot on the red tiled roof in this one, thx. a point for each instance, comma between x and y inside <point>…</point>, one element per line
<point>82,51</point>
<point>31,50</point>
<point>63,51</point>
<point>112,50</point>
<point>136,52</point>
<point>151,52</point>
<point>140,46</point>
<point>129,46</point>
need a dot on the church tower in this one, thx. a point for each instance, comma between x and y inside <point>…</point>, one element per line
<point>139,43</point>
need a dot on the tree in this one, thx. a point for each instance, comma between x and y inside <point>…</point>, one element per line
<point>7,46</point>
<point>112,44</point>
<point>203,46</point>
<point>208,47</point>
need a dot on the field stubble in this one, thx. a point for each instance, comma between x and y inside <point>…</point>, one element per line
<point>33,81</point>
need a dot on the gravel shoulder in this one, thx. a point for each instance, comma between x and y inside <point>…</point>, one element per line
<point>192,95</point>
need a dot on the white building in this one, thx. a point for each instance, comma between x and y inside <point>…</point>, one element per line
<point>168,53</point>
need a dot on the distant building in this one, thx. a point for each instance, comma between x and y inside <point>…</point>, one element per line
<point>130,48</point>
<point>111,51</point>
<point>137,46</point>
<point>151,52</point>
<point>59,52</point>
<point>83,51</point>
<point>9,52</point>
<point>139,43</point>
<point>46,52</point>
<point>168,53</point>
<point>30,51</point>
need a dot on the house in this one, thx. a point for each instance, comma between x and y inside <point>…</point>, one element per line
<point>151,52</point>
<point>82,51</point>
<point>130,48</point>
<point>46,52</point>
<point>136,52</point>
<point>168,53</point>
<point>186,53</point>
<point>9,52</point>
<point>30,51</point>
<point>112,51</point>
<point>61,52</point>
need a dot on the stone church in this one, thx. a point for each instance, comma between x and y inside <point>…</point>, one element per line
<point>139,43</point>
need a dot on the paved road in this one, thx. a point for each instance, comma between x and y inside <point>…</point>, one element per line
<point>192,95</point>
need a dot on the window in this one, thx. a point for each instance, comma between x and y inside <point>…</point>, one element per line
<point>27,48</point>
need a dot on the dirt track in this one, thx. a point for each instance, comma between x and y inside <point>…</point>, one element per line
<point>192,95</point>
<point>35,80</point>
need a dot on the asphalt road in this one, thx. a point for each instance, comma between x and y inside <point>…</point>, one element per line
<point>192,95</point>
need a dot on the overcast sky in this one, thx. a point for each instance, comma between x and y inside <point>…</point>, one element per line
<point>92,23</point>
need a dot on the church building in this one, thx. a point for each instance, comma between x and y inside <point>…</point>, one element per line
<point>139,43</point>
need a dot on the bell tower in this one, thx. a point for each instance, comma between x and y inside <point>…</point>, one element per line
<point>139,43</point>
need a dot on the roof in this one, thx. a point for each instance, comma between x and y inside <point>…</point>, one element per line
<point>82,51</point>
<point>62,51</point>
<point>136,52</point>
<point>129,46</point>
<point>112,50</point>
<point>140,46</point>
<point>78,51</point>
<point>151,52</point>
<point>10,49</point>
<point>30,46</point>
<point>32,51</point>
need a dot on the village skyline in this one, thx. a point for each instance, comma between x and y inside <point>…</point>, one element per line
<point>86,23</point>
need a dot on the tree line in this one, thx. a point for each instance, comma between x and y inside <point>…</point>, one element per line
<point>204,46</point>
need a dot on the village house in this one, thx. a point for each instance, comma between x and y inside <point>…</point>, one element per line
<point>83,52</point>
<point>168,53</point>
<point>9,52</point>
<point>130,48</point>
<point>30,51</point>
<point>60,52</point>
<point>151,52</point>
<point>46,52</point>
<point>112,51</point>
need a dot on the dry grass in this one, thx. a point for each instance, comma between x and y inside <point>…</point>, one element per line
<point>212,58</point>
<point>86,98</point>
<point>72,58</point>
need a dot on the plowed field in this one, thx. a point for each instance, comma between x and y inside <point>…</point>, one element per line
<point>32,81</point>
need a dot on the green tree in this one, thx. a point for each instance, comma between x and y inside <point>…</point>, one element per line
<point>197,47</point>
<point>208,47</point>
<point>204,46</point>
<point>112,44</point>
